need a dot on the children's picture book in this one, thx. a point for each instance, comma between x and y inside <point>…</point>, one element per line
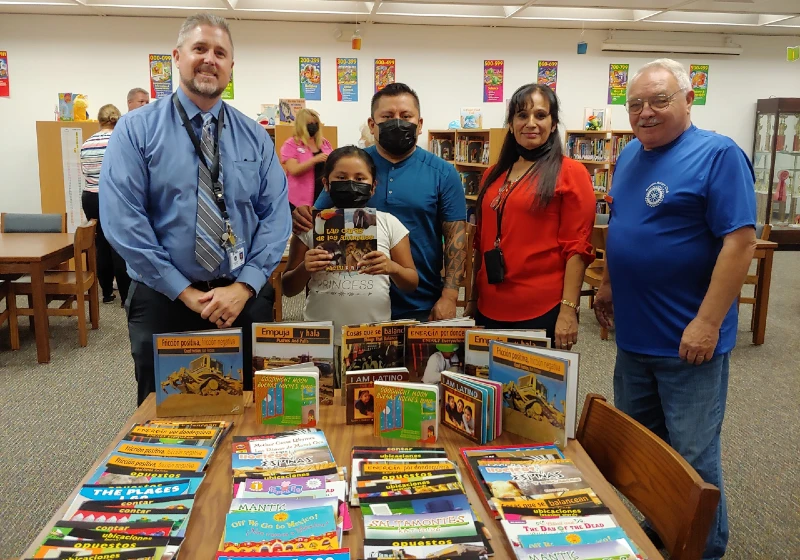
<point>445,502</point>
<point>443,525</point>
<point>513,479</point>
<point>462,408</point>
<point>594,119</point>
<point>406,411</point>
<point>516,532</point>
<point>65,106</point>
<point>434,347</point>
<point>287,398</point>
<point>592,536</point>
<point>289,344</point>
<point>346,233</point>
<point>313,528</point>
<point>471,117</point>
<point>360,392</point>
<point>475,151</point>
<point>467,548</point>
<point>199,373</point>
<point>288,108</point>
<point>268,115</point>
<point>610,550</point>
<point>539,391</point>
<point>303,452</point>
<point>585,502</point>
<point>476,356</point>
<point>374,346</point>
<point>471,181</point>
<point>339,554</point>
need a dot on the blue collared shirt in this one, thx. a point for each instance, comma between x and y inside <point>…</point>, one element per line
<point>149,207</point>
<point>423,191</point>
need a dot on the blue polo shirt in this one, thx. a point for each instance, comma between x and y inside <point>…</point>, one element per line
<point>670,209</point>
<point>422,191</point>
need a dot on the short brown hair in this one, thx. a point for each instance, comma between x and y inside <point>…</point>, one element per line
<point>203,18</point>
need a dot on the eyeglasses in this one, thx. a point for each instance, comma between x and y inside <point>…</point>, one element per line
<point>657,103</point>
<point>501,195</point>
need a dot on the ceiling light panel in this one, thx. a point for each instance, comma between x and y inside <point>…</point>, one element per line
<point>440,10</point>
<point>619,4</point>
<point>705,18</point>
<point>753,6</point>
<point>304,6</point>
<point>792,22</point>
<point>575,14</point>
<point>157,4</point>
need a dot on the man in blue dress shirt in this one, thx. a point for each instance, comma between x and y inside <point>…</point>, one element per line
<point>680,241</point>
<point>198,211</point>
<point>425,193</point>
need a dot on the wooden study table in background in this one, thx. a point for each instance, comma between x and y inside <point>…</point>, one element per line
<point>33,254</point>
<point>214,496</point>
<point>765,251</point>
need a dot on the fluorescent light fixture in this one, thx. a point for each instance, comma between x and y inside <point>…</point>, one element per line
<point>303,7</point>
<point>440,10</point>
<point>17,3</point>
<point>575,14</point>
<point>731,49</point>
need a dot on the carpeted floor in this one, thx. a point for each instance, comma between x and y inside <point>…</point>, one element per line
<point>57,418</point>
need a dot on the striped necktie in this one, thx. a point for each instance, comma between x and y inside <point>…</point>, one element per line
<point>210,225</point>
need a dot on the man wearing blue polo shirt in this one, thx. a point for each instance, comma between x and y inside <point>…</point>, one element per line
<point>680,240</point>
<point>425,193</point>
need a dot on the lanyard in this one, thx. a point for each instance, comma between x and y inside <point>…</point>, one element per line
<point>213,170</point>
<point>501,207</point>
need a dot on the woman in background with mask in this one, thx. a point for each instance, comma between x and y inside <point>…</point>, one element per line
<point>303,156</point>
<point>361,294</point>
<point>535,214</point>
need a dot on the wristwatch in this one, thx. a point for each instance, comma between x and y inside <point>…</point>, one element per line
<point>569,304</point>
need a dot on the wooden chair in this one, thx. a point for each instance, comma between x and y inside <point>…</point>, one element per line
<point>593,276</point>
<point>652,475</point>
<point>72,286</point>
<point>469,266</point>
<point>10,313</point>
<point>762,232</point>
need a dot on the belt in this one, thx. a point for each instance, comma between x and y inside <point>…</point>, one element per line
<point>208,285</point>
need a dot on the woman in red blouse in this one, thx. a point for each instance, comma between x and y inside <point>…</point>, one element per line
<point>529,274</point>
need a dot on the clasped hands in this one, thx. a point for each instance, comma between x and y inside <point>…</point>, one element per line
<point>221,306</point>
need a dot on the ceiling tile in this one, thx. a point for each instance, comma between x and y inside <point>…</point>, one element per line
<point>746,6</point>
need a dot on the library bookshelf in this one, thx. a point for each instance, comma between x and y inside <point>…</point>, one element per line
<point>598,150</point>
<point>471,150</point>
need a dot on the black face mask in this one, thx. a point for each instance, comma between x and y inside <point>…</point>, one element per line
<point>539,151</point>
<point>350,194</point>
<point>312,129</point>
<point>397,136</point>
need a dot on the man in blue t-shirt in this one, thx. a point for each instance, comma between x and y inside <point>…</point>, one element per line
<point>680,241</point>
<point>425,193</point>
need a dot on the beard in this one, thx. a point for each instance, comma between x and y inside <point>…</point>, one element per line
<point>202,88</point>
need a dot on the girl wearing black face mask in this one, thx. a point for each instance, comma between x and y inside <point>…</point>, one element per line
<point>359,295</point>
<point>303,157</point>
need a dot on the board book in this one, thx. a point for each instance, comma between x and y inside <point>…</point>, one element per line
<point>359,391</point>
<point>471,406</point>
<point>406,411</point>
<point>287,398</point>
<point>199,373</point>
<point>291,344</point>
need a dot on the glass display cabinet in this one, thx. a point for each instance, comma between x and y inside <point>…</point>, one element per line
<point>776,161</point>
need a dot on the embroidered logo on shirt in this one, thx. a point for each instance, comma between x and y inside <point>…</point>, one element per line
<point>655,194</point>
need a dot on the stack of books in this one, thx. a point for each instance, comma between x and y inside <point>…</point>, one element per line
<point>582,148</point>
<point>138,502</point>
<point>413,505</point>
<point>289,496</point>
<point>545,505</point>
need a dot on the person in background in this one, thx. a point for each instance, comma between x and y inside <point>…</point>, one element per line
<point>199,203</point>
<point>349,179</point>
<point>303,157</point>
<point>681,238</point>
<point>137,97</point>
<point>109,264</point>
<point>426,195</point>
<point>535,214</point>
<point>367,139</point>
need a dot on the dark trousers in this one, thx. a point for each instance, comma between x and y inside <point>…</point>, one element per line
<point>109,263</point>
<point>151,312</point>
<point>546,322</point>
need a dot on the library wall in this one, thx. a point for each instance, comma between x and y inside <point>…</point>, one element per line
<point>104,57</point>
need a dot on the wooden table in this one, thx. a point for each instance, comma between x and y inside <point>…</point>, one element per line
<point>765,251</point>
<point>33,254</point>
<point>214,496</point>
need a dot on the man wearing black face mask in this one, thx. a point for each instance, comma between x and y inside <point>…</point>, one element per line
<point>425,193</point>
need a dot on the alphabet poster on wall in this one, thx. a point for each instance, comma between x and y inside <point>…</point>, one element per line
<point>310,78</point>
<point>347,79</point>
<point>5,88</point>
<point>699,75</point>
<point>227,93</point>
<point>617,83</point>
<point>547,73</point>
<point>384,73</point>
<point>160,75</point>
<point>493,81</point>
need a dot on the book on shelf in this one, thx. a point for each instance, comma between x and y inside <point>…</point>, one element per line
<point>199,373</point>
<point>406,411</point>
<point>359,392</point>
<point>268,115</point>
<point>540,390</point>
<point>288,108</point>
<point>471,181</point>
<point>587,148</point>
<point>434,347</point>
<point>287,397</point>
<point>442,147</point>
<point>618,144</point>
<point>470,148</point>
<point>471,117</point>
<point>476,355</point>
<point>346,233</point>
<point>277,345</point>
<point>600,179</point>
